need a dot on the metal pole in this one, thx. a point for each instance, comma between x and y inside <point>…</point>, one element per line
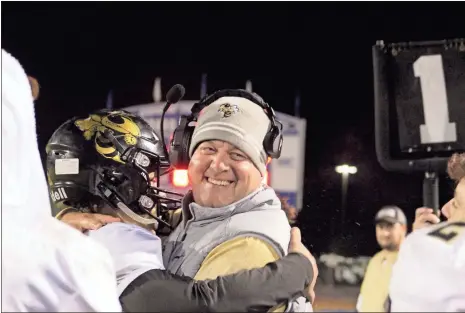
<point>431,191</point>
<point>203,86</point>
<point>345,186</point>
<point>297,104</point>
<point>109,104</point>
<point>248,86</point>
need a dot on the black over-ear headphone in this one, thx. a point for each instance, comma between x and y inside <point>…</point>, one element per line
<point>179,146</point>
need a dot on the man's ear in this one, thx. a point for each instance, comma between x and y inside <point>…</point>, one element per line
<point>34,87</point>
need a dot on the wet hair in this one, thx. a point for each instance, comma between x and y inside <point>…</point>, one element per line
<point>456,167</point>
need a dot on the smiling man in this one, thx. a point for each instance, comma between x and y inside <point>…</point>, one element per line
<point>231,221</point>
<point>391,229</point>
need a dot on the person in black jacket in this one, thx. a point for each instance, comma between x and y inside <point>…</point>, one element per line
<point>105,163</point>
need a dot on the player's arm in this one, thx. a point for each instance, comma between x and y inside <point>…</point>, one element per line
<point>160,291</point>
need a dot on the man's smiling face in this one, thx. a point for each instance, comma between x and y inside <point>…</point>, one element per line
<point>221,174</point>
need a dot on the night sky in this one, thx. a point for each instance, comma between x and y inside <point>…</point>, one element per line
<point>79,51</point>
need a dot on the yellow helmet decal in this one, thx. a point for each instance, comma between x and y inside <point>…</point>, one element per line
<point>118,122</point>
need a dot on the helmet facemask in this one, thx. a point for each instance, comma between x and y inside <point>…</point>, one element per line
<point>134,187</point>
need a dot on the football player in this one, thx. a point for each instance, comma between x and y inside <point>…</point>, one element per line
<point>429,275</point>
<point>46,265</point>
<point>105,163</point>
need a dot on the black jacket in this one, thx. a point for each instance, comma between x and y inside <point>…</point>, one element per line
<point>254,290</point>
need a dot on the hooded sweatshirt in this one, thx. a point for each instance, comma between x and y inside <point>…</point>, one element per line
<point>46,265</point>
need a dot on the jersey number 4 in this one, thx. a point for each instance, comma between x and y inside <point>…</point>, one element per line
<point>449,231</point>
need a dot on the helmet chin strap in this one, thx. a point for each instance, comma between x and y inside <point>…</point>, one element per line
<point>137,218</point>
<point>116,202</point>
<point>145,203</point>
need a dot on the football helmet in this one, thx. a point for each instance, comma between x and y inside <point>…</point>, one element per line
<point>110,158</point>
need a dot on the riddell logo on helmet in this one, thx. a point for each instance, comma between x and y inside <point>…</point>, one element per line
<point>58,195</point>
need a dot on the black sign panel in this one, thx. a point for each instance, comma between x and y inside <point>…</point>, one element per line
<point>419,103</point>
<point>429,93</point>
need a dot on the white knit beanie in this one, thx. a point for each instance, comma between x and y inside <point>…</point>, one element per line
<point>237,121</point>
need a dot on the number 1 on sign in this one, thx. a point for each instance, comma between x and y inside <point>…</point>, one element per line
<point>437,127</point>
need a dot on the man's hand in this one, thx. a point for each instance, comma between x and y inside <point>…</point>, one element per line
<point>424,217</point>
<point>296,245</point>
<point>87,221</point>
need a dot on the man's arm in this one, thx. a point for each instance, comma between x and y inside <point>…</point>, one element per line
<point>257,289</point>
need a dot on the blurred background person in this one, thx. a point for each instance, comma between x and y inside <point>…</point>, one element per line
<point>391,229</point>
<point>429,275</point>
<point>291,211</point>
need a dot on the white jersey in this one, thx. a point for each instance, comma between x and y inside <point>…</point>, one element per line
<point>46,265</point>
<point>134,250</point>
<point>49,267</point>
<point>429,275</point>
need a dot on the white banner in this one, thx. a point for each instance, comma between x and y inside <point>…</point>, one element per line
<point>287,172</point>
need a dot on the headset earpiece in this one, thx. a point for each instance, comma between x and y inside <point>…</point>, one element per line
<point>179,150</point>
<point>179,146</point>
<point>273,142</point>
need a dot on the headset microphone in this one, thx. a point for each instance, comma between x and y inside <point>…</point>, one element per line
<point>175,94</point>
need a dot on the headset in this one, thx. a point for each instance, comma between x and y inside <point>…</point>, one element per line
<point>180,143</point>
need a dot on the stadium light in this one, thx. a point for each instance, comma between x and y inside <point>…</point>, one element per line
<point>346,169</point>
